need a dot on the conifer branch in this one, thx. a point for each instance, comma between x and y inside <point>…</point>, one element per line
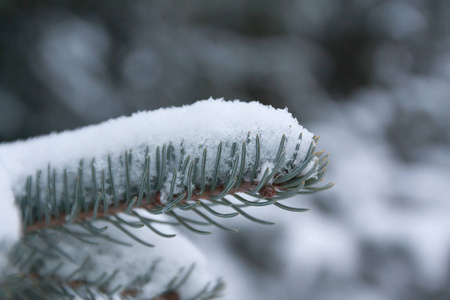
<point>193,181</point>
<point>274,185</point>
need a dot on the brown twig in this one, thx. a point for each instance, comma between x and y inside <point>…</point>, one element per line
<point>267,191</point>
<point>79,283</point>
<point>168,296</point>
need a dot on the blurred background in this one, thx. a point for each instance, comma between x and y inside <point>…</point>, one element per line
<point>371,77</point>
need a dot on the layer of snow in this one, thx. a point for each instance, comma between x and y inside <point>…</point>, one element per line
<point>195,127</point>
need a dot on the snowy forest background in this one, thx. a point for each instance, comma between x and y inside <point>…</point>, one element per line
<point>371,77</point>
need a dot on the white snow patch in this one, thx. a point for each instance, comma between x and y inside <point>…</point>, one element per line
<point>189,128</point>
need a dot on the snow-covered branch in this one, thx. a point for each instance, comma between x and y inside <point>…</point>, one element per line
<point>184,163</point>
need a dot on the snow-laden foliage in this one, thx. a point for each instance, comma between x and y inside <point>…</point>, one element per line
<point>93,188</point>
<point>184,131</point>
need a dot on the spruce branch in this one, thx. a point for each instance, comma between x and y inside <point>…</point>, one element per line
<point>274,185</point>
<point>147,171</point>
<point>34,285</point>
